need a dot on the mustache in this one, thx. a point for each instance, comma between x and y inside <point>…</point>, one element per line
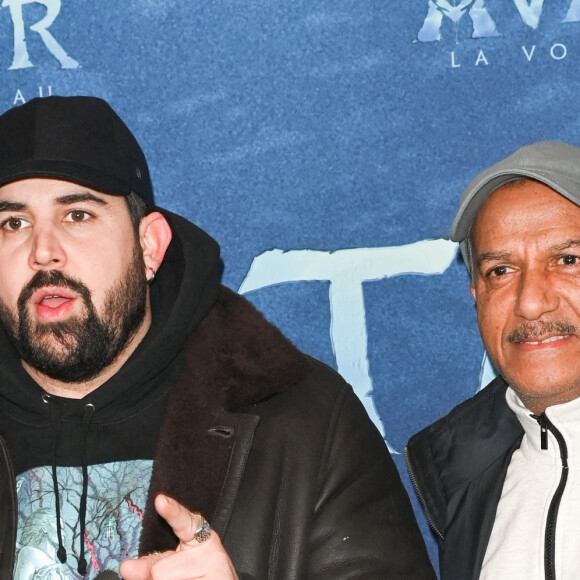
<point>52,278</point>
<point>535,330</point>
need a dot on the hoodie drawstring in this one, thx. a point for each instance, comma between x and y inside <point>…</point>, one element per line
<point>87,418</point>
<point>55,422</point>
<point>55,419</point>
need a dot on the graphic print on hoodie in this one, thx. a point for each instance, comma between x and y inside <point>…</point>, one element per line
<point>116,495</point>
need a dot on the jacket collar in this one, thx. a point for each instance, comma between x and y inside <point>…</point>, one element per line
<point>233,360</point>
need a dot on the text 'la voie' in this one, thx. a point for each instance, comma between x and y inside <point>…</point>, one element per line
<point>479,57</point>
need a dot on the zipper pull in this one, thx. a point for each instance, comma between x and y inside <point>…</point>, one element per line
<point>542,422</point>
<point>543,437</point>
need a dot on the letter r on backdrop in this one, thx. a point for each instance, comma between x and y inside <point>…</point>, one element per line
<point>21,58</point>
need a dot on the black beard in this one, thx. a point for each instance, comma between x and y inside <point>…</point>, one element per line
<point>80,348</point>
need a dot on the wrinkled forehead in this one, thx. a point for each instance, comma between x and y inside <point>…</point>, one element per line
<point>509,196</point>
<point>520,189</point>
<point>523,211</point>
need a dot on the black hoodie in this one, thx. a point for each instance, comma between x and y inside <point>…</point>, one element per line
<point>133,400</point>
<point>121,420</point>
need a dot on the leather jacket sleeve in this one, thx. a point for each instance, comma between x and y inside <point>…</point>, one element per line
<point>364,526</point>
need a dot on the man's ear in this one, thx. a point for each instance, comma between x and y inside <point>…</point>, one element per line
<point>154,236</point>
<point>472,290</point>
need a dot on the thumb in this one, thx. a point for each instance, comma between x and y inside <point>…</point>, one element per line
<point>183,522</point>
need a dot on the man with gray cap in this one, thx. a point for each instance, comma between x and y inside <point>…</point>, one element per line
<point>154,425</point>
<point>497,476</point>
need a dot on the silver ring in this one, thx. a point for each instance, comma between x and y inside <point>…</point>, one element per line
<point>202,533</point>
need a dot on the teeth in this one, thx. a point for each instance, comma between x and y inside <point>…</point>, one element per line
<point>551,339</point>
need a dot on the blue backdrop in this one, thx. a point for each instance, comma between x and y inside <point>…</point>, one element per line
<point>325,145</point>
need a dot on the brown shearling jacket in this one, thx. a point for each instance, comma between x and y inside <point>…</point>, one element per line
<point>278,453</point>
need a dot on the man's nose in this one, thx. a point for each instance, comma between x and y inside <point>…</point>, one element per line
<point>536,294</point>
<point>46,251</point>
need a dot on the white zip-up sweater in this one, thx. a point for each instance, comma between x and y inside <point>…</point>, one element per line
<point>517,548</point>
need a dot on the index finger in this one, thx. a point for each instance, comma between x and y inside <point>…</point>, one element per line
<point>139,568</point>
<point>183,522</point>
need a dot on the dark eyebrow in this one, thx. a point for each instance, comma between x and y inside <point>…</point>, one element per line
<point>12,206</point>
<point>63,200</point>
<point>568,245</point>
<point>492,257</point>
<point>78,197</point>
<point>505,256</point>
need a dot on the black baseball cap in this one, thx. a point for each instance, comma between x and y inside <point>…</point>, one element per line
<point>552,163</point>
<point>77,139</point>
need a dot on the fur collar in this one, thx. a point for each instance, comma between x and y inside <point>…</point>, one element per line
<point>234,359</point>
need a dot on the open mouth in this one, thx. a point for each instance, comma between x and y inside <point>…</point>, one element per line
<point>53,304</point>
<point>54,300</point>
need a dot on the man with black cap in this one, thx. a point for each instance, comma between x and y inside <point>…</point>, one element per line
<point>497,475</point>
<point>154,424</point>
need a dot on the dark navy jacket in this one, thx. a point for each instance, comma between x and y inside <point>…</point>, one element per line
<point>458,466</point>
